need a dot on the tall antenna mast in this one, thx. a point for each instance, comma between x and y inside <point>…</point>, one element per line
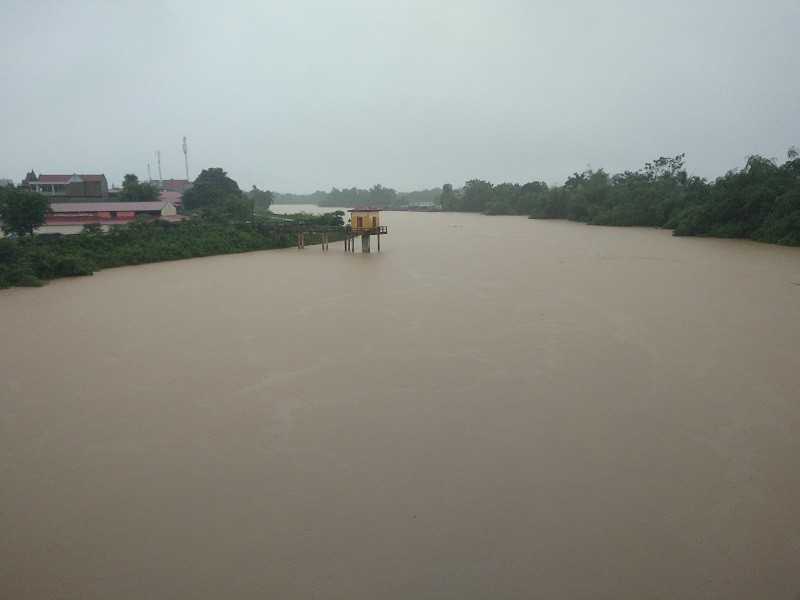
<point>160,181</point>
<point>186,157</point>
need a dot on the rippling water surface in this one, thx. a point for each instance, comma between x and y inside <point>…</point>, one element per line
<point>490,407</point>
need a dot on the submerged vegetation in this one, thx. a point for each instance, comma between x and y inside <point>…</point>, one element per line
<point>759,202</point>
<point>32,261</point>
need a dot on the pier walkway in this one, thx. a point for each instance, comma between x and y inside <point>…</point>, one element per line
<point>348,232</point>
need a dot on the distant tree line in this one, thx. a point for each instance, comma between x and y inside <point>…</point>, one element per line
<point>314,198</point>
<point>377,195</point>
<point>503,199</point>
<point>760,201</point>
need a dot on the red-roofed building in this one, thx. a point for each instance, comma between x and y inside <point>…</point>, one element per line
<point>175,198</point>
<point>70,217</point>
<point>68,187</point>
<point>172,185</point>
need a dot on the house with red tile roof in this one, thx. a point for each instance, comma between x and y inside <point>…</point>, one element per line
<point>172,185</point>
<point>68,188</point>
<point>175,198</point>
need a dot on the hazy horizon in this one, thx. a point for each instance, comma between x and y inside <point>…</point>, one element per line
<point>303,96</point>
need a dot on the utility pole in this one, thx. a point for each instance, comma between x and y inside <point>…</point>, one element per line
<point>186,157</point>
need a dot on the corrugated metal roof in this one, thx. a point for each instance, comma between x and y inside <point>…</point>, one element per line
<point>73,207</point>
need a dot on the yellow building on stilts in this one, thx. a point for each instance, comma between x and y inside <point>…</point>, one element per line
<point>366,222</point>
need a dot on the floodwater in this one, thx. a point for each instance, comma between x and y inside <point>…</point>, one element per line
<point>490,407</point>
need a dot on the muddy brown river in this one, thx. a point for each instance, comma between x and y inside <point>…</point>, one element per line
<point>490,407</point>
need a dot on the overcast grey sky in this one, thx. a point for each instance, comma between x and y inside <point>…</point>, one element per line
<point>296,95</point>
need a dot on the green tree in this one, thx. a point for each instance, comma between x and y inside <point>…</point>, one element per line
<point>134,190</point>
<point>237,207</point>
<point>212,186</point>
<point>551,204</point>
<point>502,200</point>
<point>448,198</point>
<point>382,196</point>
<point>22,211</point>
<point>760,202</point>
<point>477,194</point>
<point>261,198</point>
<point>346,197</point>
<point>129,179</point>
<point>527,196</point>
<point>219,178</point>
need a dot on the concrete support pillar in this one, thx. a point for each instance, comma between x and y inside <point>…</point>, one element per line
<point>365,242</point>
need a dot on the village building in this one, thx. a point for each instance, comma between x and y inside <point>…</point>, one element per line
<point>364,221</point>
<point>172,185</point>
<point>70,217</point>
<point>364,218</point>
<point>172,197</point>
<point>68,188</point>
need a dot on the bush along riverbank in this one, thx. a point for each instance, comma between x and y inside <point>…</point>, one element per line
<point>760,202</point>
<point>32,261</point>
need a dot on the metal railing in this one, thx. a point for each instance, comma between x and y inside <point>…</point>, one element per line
<point>284,227</point>
<point>369,230</point>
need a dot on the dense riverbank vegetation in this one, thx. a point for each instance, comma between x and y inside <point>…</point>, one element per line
<point>32,261</point>
<point>377,195</point>
<point>760,202</point>
<point>219,219</point>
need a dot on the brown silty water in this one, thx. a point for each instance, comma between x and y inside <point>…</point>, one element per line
<point>487,408</point>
